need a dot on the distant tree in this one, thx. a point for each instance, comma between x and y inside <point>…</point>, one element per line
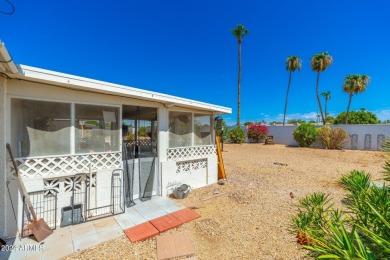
<point>246,123</point>
<point>357,117</point>
<point>293,63</point>
<point>319,62</point>
<point>239,32</point>
<point>354,84</point>
<point>387,121</point>
<point>295,121</point>
<point>327,97</point>
<point>142,131</point>
<point>275,123</point>
<point>330,119</point>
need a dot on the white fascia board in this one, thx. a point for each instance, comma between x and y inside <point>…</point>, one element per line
<point>75,82</point>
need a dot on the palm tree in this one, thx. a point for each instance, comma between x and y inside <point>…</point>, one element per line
<point>354,84</point>
<point>319,62</point>
<point>293,63</point>
<point>239,32</point>
<point>327,97</point>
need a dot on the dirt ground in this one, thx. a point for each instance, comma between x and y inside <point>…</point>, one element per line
<point>250,216</point>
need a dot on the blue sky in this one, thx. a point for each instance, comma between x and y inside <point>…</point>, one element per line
<point>185,48</point>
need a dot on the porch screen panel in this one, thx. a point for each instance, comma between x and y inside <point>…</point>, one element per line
<point>96,128</point>
<point>40,128</point>
<point>202,126</point>
<point>180,129</point>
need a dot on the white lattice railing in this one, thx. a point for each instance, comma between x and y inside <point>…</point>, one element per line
<point>190,153</point>
<point>63,165</point>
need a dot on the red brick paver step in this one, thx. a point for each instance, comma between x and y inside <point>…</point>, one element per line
<point>141,232</point>
<point>174,245</point>
<point>166,222</point>
<point>185,215</point>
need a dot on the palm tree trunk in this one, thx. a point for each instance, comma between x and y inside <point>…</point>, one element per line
<point>285,104</point>
<point>326,104</point>
<point>239,84</point>
<point>349,104</point>
<point>319,100</point>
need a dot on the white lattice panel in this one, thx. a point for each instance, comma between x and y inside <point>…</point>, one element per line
<point>62,165</point>
<point>192,152</point>
<point>187,166</point>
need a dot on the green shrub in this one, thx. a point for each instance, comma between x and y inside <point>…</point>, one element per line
<point>386,148</point>
<point>332,138</point>
<point>236,135</point>
<point>361,232</point>
<point>386,145</point>
<point>305,134</point>
<point>357,117</point>
<point>370,208</point>
<point>312,211</point>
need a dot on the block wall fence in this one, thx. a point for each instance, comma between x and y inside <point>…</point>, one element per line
<point>362,137</point>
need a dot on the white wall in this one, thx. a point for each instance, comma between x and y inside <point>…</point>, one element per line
<point>195,178</point>
<point>283,134</point>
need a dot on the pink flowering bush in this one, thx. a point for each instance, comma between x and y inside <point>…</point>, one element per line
<point>257,131</point>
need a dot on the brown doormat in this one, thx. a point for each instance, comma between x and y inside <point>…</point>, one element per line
<point>174,245</point>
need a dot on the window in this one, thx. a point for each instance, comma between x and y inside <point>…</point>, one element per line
<point>96,128</point>
<point>188,129</point>
<point>180,129</point>
<point>202,129</point>
<point>40,128</point>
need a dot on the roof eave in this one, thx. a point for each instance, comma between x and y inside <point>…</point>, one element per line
<point>81,83</point>
<point>7,65</point>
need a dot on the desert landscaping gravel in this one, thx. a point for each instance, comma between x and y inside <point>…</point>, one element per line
<point>249,216</point>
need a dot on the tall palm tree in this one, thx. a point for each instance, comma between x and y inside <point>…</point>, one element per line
<point>354,84</point>
<point>239,32</point>
<point>293,63</point>
<point>327,97</point>
<point>319,62</point>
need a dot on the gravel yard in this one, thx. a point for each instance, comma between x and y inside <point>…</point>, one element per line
<point>248,217</point>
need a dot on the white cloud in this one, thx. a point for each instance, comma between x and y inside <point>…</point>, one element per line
<point>382,114</point>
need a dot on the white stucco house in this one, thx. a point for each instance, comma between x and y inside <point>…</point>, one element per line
<point>69,133</point>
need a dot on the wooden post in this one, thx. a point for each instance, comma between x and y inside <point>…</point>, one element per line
<point>221,167</point>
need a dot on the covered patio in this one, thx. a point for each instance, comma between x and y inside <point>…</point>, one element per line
<point>91,149</point>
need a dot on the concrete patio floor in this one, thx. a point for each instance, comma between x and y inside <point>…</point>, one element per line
<point>65,241</point>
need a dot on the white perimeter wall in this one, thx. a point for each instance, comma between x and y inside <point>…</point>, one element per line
<point>283,134</point>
